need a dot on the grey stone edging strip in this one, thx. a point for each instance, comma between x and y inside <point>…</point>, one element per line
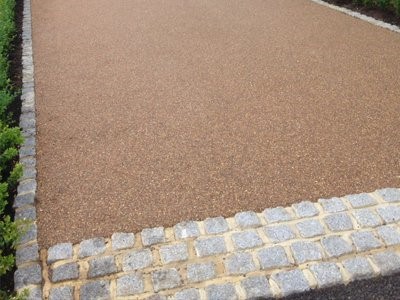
<point>29,271</point>
<point>278,252</point>
<point>359,16</point>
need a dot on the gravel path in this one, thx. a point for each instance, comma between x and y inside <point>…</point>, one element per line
<point>153,112</point>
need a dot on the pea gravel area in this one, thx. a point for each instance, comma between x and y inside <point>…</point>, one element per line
<point>154,112</point>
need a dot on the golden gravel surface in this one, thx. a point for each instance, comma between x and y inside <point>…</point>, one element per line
<point>153,112</point>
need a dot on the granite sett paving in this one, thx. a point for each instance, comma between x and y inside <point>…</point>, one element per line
<point>235,263</point>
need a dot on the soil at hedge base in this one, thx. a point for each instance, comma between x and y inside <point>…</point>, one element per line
<point>153,112</point>
<point>378,13</point>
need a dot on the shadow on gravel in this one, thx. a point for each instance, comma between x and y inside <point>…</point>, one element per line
<point>382,288</point>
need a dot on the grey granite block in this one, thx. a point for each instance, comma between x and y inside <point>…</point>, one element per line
<point>27,254</point>
<point>28,173</point>
<point>24,199</point>
<point>256,287</point>
<point>122,240</point>
<point>29,233</point>
<point>65,272</point>
<point>27,275</point>
<point>188,294</point>
<point>388,262</point>
<point>99,290</point>
<point>174,253</point>
<point>221,292</point>
<point>92,247</point>
<point>28,161</point>
<point>390,194</point>
<point>166,279</point>
<point>273,257</point>
<point>137,259</point>
<point>336,246</point>
<point>187,229</point>
<point>365,240</point>
<point>338,222</point>
<point>62,293</point>
<point>35,293</point>
<point>389,214</point>
<point>239,263</point>
<point>279,233</point>
<point>291,282</point>
<point>27,186</point>
<point>305,209</point>
<point>246,239</point>
<point>59,252</point>
<point>101,266</point>
<point>310,228</point>
<point>389,234</point>
<point>247,219</point>
<point>152,236</point>
<point>27,121</point>
<point>327,274</point>
<point>130,284</point>
<point>201,271</point>
<point>361,200</point>
<point>304,251</point>
<point>27,213</point>
<point>358,268</point>
<point>215,225</point>
<point>332,205</point>
<point>210,246</point>
<point>277,214</point>
<point>367,218</point>
<point>30,141</point>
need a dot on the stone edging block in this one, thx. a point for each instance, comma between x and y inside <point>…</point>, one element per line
<point>29,271</point>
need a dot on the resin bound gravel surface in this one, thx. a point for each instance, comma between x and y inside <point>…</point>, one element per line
<point>154,112</point>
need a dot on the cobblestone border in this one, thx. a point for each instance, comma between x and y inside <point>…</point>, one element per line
<point>29,271</point>
<point>359,16</point>
<point>278,252</point>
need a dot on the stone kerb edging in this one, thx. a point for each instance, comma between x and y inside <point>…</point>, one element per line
<point>359,16</point>
<point>275,253</point>
<point>29,272</point>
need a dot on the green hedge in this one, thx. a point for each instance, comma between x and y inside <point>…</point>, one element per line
<point>10,140</point>
<point>388,5</point>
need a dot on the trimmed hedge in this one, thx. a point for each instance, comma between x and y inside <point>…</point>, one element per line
<point>10,140</point>
<point>388,5</point>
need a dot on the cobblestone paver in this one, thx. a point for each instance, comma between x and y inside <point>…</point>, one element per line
<point>280,251</point>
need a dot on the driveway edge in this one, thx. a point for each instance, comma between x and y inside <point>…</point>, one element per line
<point>29,271</point>
<point>359,16</point>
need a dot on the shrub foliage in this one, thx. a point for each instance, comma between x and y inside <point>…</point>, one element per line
<point>10,140</point>
<point>388,5</point>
